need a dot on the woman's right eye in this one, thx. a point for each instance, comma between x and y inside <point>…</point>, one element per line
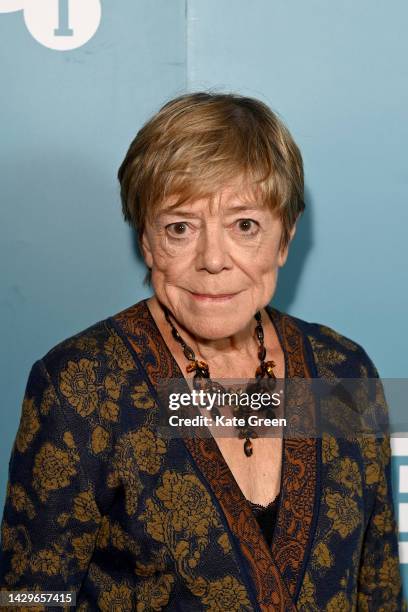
<point>177,229</point>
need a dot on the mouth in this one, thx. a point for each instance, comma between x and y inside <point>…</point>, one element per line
<point>213,297</point>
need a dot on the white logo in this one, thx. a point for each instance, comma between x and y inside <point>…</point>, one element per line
<point>399,448</point>
<point>58,24</point>
<point>11,6</point>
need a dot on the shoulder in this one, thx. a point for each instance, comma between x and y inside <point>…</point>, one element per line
<point>90,343</point>
<point>330,348</point>
<point>92,352</point>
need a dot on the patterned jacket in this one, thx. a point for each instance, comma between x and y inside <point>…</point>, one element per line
<point>99,503</point>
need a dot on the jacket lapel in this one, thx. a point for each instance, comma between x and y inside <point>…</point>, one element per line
<point>297,514</point>
<point>276,572</point>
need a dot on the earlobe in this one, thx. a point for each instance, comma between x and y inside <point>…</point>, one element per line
<point>292,232</point>
<point>283,255</point>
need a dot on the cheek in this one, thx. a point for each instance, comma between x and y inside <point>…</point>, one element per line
<point>164,257</point>
<point>169,264</point>
<point>165,249</point>
<point>262,269</point>
<point>260,264</point>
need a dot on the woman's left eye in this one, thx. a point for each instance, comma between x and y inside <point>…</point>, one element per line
<point>248,226</point>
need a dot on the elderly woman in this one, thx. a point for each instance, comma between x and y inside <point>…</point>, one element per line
<point>101,503</point>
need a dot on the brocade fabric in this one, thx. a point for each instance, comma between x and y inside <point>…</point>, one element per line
<point>99,503</point>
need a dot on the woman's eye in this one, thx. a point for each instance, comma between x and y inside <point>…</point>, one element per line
<point>177,229</point>
<point>248,226</point>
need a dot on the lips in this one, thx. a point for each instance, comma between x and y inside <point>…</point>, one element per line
<point>213,296</point>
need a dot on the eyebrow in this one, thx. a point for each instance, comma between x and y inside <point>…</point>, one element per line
<point>239,207</point>
<point>189,213</point>
<point>176,211</point>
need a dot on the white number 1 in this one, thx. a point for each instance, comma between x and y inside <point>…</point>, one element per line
<point>63,28</point>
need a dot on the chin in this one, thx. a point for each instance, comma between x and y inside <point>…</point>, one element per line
<point>213,327</point>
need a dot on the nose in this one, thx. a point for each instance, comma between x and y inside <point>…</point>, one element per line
<point>212,250</point>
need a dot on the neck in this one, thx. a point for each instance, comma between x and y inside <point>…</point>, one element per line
<point>242,345</point>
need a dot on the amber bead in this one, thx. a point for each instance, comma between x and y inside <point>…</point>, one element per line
<point>248,450</point>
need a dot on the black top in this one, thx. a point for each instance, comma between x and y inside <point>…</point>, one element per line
<point>266,517</point>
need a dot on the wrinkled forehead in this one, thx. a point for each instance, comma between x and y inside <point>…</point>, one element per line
<point>238,195</point>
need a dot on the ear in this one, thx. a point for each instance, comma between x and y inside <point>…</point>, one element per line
<point>146,249</point>
<point>283,253</point>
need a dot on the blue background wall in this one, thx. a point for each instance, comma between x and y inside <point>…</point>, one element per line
<point>335,72</point>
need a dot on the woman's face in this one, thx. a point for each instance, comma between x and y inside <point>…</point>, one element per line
<point>214,264</point>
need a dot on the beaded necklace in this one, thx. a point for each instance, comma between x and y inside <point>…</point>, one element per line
<point>202,380</point>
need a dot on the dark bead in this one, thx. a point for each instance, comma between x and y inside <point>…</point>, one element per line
<point>189,353</point>
<point>248,450</point>
<point>175,333</point>
<point>262,352</point>
<point>260,333</point>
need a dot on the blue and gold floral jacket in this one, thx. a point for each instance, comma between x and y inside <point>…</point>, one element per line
<point>99,503</point>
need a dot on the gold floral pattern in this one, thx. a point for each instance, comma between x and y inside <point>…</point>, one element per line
<point>225,594</point>
<point>341,340</point>
<point>142,397</point>
<point>46,561</point>
<point>85,508</point>
<point>306,600</point>
<point>149,450</point>
<point>187,504</point>
<point>338,603</point>
<point>83,547</point>
<point>330,448</point>
<point>368,576</point>
<point>53,469</point>
<point>21,501</point>
<point>110,411</point>
<point>113,385</point>
<point>29,425</point>
<point>181,516</point>
<point>224,542</point>
<point>100,439</point>
<point>329,358</point>
<point>118,597</point>
<point>349,475</point>
<point>344,513</point>
<point>48,400</point>
<point>78,385</point>
<point>19,561</point>
<point>118,355</point>
<point>124,473</point>
<point>154,593</point>
<point>322,557</point>
<point>372,473</point>
<point>384,521</point>
<point>389,571</point>
<point>368,446</point>
<point>86,344</point>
